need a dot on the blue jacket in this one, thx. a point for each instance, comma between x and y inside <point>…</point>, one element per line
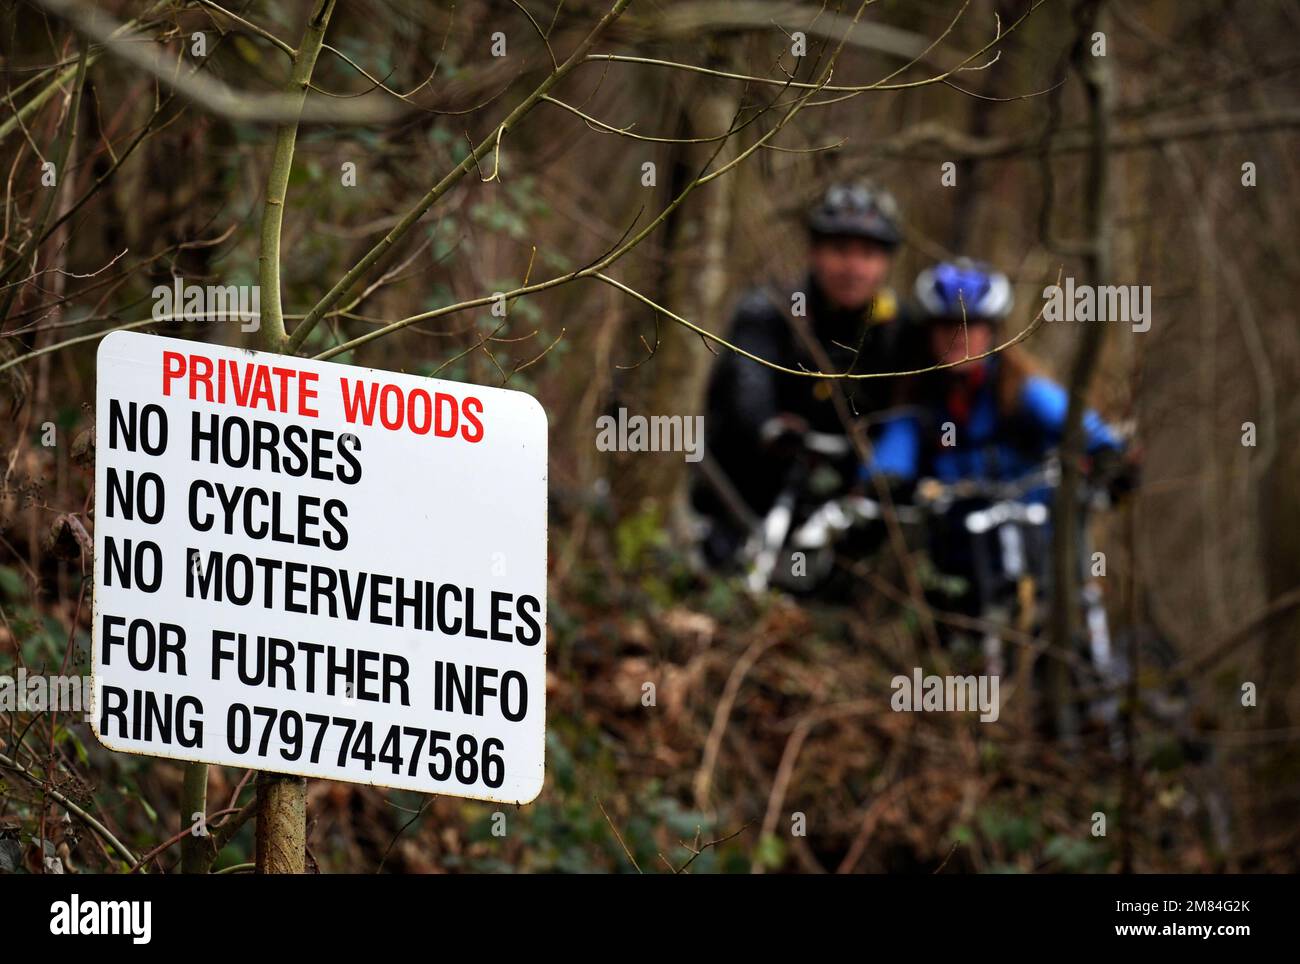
<point>990,445</point>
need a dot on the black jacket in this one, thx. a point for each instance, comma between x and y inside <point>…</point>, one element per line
<point>743,394</point>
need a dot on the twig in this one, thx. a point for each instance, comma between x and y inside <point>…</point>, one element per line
<point>618,836</point>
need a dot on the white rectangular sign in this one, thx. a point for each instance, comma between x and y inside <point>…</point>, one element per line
<point>317,569</point>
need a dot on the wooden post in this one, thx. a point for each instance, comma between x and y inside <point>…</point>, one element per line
<point>281,824</point>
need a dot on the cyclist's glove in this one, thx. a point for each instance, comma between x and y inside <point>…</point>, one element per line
<point>1118,471</point>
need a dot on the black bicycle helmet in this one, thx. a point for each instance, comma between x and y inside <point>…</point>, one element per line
<point>857,211</point>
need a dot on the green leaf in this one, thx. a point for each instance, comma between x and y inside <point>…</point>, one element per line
<point>770,851</point>
<point>11,583</point>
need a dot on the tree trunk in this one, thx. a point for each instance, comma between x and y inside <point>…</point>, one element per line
<point>675,378</point>
<point>1097,270</point>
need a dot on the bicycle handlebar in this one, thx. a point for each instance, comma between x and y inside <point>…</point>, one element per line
<point>934,492</point>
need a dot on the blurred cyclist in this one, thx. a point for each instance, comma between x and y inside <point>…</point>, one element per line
<point>844,308</point>
<point>992,419</point>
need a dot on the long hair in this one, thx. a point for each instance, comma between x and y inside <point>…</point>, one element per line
<point>1016,366</point>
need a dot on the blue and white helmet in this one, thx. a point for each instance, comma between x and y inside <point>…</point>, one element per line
<point>964,288</point>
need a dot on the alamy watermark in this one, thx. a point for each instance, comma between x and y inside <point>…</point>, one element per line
<point>655,433</point>
<point>946,694</point>
<point>1127,303</point>
<point>127,918</point>
<point>32,692</point>
<point>187,302</point>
